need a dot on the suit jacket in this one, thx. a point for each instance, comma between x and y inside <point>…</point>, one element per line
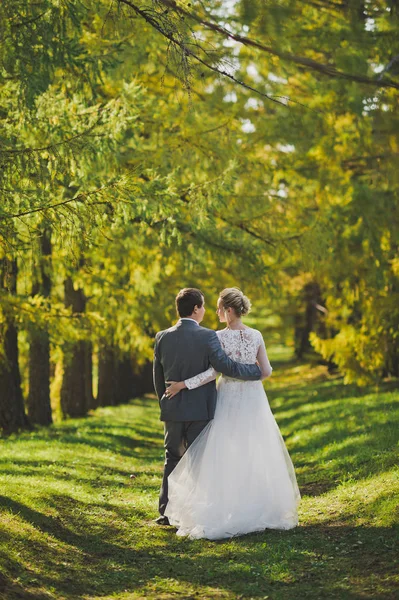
<point>183,351</point>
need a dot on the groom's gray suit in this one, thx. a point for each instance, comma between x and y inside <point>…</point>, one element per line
<point>181,352</point>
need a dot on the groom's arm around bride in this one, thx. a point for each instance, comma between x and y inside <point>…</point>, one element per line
<point>181,352</point>
<point>185,350</point>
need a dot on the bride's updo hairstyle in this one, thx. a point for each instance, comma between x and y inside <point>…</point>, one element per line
<point>235,299</point>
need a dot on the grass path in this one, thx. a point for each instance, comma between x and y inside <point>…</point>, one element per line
<point>75,525</point>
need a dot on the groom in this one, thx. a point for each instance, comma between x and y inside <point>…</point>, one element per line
<point>185,350</point>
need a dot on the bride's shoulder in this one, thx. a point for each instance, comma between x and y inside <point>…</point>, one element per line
<point>220,332</point>
<point>255,333</point>
<point>247,330</point>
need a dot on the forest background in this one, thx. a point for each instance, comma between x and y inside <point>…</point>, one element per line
<point>148,147</point>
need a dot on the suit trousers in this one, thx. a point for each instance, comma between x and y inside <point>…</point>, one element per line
<point>179,435</point>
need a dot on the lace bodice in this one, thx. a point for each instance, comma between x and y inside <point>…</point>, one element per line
<point>241,345</point>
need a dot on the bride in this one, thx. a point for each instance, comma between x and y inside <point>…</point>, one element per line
<point>237,476</point>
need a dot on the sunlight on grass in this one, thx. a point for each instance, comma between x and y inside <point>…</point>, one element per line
<point>75,524</point>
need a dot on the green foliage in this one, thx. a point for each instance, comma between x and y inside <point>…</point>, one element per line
<point>154,171</point>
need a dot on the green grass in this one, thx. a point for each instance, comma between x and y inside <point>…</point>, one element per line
<point>73,523</point>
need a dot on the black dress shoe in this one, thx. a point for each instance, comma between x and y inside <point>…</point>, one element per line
<point>162,520</point>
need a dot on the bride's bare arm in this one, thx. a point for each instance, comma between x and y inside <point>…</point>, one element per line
<point>262,358</point>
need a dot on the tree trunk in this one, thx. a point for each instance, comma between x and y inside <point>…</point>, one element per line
<point>143,382</point>
<point>125,379</point>
<point>107,376</point>
<point>89,375</point>
<point>12,411</point>
<point>309,320</point>
<point>39,406</point>
<point>391,368</point>
<point>118,382</point>
<point>74,390</point>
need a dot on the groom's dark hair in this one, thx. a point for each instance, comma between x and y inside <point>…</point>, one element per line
<point>186,300</point>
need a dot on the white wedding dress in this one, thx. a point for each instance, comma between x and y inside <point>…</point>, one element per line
<point>237,476</point>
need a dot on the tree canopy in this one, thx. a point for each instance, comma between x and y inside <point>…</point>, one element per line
<point>165,144</point>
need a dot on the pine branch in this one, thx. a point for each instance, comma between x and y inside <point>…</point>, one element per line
<point>51,147</point>
<point>30,21</point>
<point>187,52</point>
<point>80,197</point>
<point>328,70</point>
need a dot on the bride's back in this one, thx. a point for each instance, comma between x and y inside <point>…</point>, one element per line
<point>241,345</point>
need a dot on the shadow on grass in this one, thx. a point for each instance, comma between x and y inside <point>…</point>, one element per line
<point>105,478</point>
<point>335,431</point>
<point>82,556</point>
<point>100,548</point>
<point>94,433</point>
<point>300,394</point>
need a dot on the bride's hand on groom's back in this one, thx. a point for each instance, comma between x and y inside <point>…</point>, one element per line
<point>174,387</point>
